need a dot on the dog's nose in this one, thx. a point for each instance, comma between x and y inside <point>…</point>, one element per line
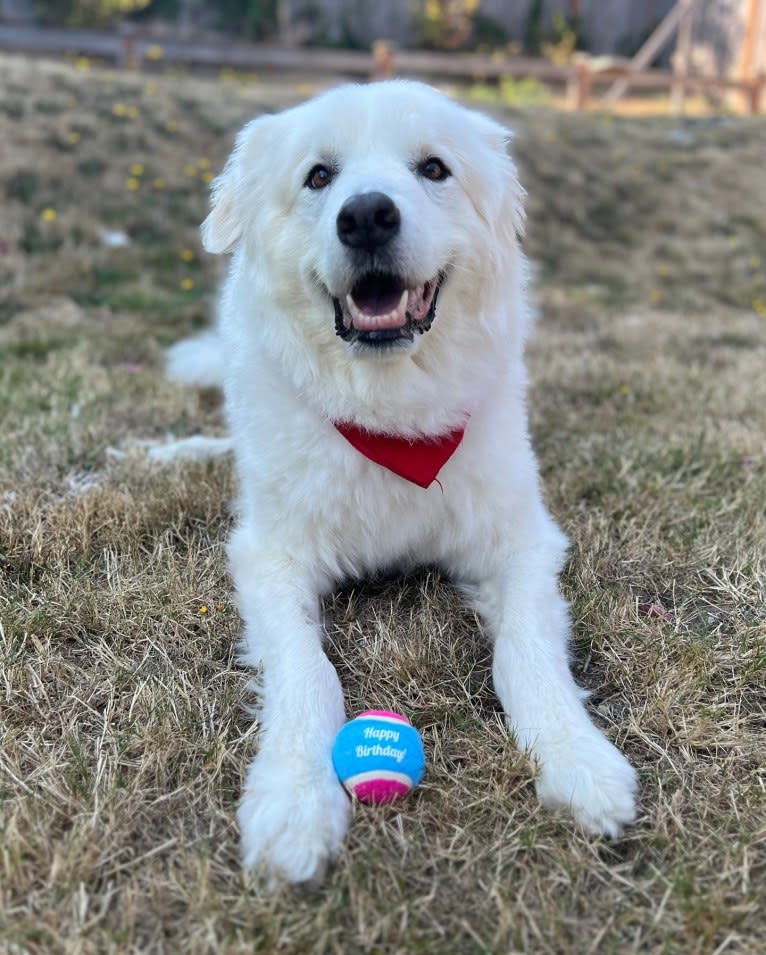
<point>367,221</point>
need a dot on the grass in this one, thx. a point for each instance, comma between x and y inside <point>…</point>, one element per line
<point>124,729</point>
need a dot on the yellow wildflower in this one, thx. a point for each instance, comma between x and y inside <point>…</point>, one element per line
<point>48,215</point>
<point>187,284</point>
<point>132,183</point>
<point>186,255</point>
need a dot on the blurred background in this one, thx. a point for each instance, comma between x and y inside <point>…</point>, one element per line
<point>580,51</point>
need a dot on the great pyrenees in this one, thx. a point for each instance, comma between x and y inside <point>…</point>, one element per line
<point>372,331</point>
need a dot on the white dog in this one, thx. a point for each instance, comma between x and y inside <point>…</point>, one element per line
<point>372,329</point>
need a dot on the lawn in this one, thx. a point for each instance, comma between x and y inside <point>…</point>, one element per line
<point>124,723</point>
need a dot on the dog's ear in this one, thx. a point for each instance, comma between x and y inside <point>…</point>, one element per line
<point>512,213</point>
<point>223,228</point>
<point>497,192</point>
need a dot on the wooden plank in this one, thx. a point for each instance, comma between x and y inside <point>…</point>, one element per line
<point>472,65</point>
<point>648,51</point>
<point>265,57</point>
<point>663,79</point>
<point>34,40</point>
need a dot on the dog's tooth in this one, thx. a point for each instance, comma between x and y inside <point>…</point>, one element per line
<point>384,321</point>
<point>353,308</point>
<point>396,314</point>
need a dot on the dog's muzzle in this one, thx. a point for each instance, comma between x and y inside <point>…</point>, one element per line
<point>381,309</point>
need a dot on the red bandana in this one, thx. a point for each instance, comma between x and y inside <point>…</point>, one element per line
<point>418,460</point>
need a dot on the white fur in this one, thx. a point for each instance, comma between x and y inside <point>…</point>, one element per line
<point>197,361</point>
<point>313,511</point>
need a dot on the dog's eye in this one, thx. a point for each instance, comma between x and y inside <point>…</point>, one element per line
<point>434,169</point>
<point>319,177</point>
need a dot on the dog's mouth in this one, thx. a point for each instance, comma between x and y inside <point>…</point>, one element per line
<point>382,311</point>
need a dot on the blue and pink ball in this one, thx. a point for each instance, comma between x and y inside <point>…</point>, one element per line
<point>379,757</point>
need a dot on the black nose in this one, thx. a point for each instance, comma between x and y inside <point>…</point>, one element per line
<point>368,221</point>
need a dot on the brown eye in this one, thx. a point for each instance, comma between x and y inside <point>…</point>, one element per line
<point>319,177</point>
<point>434,169</point>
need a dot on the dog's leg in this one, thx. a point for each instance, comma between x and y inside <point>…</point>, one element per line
<point>294,812</point>
<point>579,768</point>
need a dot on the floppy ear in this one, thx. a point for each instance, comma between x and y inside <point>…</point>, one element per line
<point>223,228</point>
<point>497,192</point>
<point>513,216</point>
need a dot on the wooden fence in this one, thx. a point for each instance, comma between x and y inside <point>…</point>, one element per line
<point>129,48</point>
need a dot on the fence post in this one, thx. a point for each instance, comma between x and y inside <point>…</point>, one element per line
<point>682,57</point>
<point>749,57</point>
<point>129,58</point>
<point>754,94</point>
<point>578,87</point>
<point>383,57</point>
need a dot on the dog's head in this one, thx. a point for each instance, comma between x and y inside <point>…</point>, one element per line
<point>368,205</point>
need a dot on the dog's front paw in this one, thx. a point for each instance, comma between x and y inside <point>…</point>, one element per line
<point>591,778</point>
<point>293,820</point>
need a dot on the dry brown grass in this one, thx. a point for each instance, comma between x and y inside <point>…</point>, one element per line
<point>122,711</point>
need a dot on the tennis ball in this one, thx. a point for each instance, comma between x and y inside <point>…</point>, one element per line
<point>379,757</point>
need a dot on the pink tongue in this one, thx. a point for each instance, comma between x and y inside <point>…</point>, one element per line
<point>377,308</point>
<point>378,304</point>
